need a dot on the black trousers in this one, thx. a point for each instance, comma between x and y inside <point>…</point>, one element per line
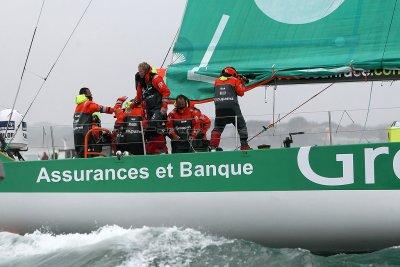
<point>157,124</point>
<point>181,146</point>
<point>200,144</point>
<point>224,117</point>
<point>79,144</point>
<point>135,149</point>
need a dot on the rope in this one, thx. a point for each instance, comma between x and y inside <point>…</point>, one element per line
<point>51,69</point>
<point>69,38</point>
<point>368,111</point>
<point>273,101</point>
<point>341,118</point>
<point>265,128</point>
<point>170,47</point>
<point>24,68</point>
<point>176,35</point>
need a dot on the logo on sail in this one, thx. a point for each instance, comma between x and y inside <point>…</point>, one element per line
<point>298,11</point>
<point>183,51</point>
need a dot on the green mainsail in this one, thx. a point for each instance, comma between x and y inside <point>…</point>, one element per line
<point>291,38</point>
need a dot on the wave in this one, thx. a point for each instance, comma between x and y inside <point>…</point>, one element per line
<point>158,246</point>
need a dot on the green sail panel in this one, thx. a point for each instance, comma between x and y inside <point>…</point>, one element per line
<point>291,38</point>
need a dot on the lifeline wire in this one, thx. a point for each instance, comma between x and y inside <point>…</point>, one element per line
<point>51,69</point>
<point>24,68</point>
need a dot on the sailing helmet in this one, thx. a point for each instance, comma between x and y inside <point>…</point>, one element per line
<point>229,72</point>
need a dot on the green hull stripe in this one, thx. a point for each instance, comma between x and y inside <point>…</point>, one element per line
<point>351,167</point>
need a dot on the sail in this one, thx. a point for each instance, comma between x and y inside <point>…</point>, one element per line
<point>288,39</point>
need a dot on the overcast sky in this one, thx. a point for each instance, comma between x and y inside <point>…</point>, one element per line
<point>113,38</point>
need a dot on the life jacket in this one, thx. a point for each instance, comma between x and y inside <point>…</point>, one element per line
<point>183,128</point>
<point>82,118</point>
<point>151,96</point>
<point>225,96</point>
<point>132,129</point>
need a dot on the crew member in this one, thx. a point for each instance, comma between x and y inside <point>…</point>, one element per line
<point>85,107</point>
<point>96,134</point>
<point>201,143</point>
<point>117,136</point>
<point>129,126</point>
<point>228,87</point>
<point>153,93</point>
<point>183,126</point>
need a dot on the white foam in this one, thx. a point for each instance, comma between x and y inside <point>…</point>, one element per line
<point>140,246</point>
<point>13,245</point>
<point>173,247</point>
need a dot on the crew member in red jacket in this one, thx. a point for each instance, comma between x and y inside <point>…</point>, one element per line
<point>98,137</point>
<point>228,87</point>
<point>129,127</point>
<point>153,93</point>
<point>201,143</point>
<point>96,134</point>
<point>85,107</point>
<point>183,125</point>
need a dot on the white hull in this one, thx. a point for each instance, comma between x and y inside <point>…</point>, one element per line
<point>322,221</point>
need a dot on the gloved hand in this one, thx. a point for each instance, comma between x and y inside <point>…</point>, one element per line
<point>244,79</point>
<point>164,106</point>
<point>121,99</point>
<point>135,102</point>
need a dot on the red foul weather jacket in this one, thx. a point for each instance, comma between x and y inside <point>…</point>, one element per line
<point>153,94</point>
<point>183,123</point>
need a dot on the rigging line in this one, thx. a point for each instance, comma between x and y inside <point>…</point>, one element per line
<point>340,122</point>
<point>176,35</point>
<point>51,70</point>
<point>273,100</point>
<point>34,74</point>
<point>334,110</point>
<point>69,38</point>
<point>273,133</point>
<point>170,47</point>
<point>348,115</point>
<point>388,35</point>
<point>24,68</point>
<point>368,111</point>
<point>265,128</point>
<point>341,118</point>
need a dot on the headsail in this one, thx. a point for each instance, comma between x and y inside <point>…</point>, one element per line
<point>291,38</point>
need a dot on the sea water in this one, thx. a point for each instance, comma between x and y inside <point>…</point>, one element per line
<point>147,246</point>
